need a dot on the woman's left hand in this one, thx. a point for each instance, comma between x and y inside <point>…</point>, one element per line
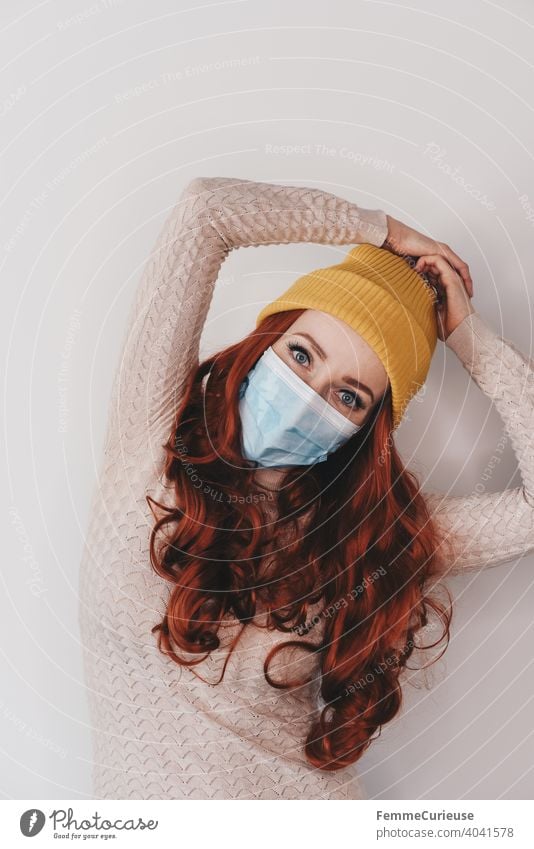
<point>404,240</point>
<point>454,303</point>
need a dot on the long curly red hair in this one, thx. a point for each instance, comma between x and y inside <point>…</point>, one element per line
<point>368,554</point>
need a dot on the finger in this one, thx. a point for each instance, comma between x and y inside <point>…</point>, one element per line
<point>437,258</point>
<point>461,267</point>
<point>435,261</point>
<point>440,267</point>
<point>440,264</point>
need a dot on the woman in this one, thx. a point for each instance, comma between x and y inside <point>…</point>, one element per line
<point>259,564</point>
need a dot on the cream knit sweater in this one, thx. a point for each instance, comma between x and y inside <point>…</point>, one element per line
<point>159,731</point>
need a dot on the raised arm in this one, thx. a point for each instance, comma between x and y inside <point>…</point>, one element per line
<point>213,216</point>
<point>482,530</point>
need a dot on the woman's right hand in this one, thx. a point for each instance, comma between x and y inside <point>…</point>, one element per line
<point>453,304</point>
<point>404,240</point>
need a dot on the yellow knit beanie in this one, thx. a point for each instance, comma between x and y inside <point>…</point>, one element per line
<point>390,305</point>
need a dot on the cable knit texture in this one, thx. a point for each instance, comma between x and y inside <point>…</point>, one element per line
<point>159,730</point>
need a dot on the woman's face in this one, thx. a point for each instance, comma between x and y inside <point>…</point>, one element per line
<point>335,361</point>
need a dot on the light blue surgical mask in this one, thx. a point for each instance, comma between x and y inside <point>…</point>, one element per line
<point>284,421</point>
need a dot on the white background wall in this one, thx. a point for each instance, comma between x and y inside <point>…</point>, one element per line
<point>107,109</point>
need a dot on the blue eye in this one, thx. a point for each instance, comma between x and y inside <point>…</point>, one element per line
<point>354,400</point>
<point>292,346</point>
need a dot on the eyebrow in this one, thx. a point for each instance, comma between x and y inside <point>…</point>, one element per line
<point>351,380</point>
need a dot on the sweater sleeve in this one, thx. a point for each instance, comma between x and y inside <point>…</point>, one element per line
<point>213,216</point>
<point>485,529</point>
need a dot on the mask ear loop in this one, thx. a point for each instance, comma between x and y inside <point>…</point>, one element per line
<point>206,378</point>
